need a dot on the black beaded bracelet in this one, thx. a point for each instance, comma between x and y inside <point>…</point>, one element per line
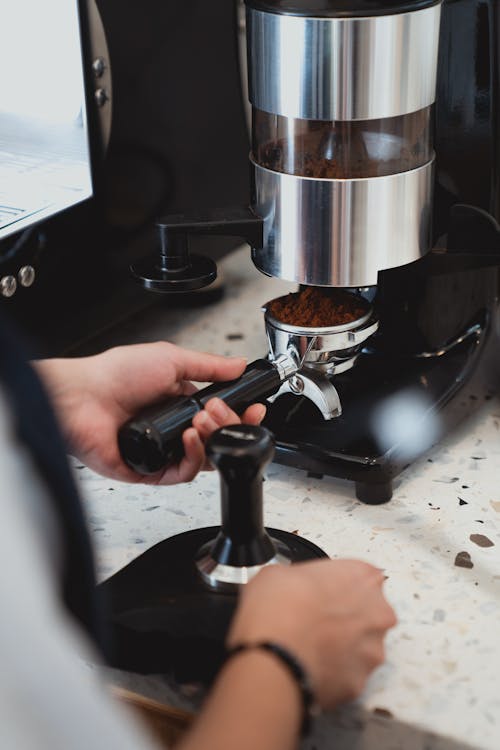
<point>297,671</point>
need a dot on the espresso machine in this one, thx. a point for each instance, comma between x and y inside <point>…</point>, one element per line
<point>375,173</point>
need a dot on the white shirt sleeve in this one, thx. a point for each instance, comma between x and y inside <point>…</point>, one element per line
<point>49,697</point>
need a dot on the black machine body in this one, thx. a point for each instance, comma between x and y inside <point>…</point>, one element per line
<point>439,331</point>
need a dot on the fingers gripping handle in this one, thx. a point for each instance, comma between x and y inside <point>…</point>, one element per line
<point>152,441</point>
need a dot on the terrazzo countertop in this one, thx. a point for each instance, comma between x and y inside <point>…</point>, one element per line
<point>438,542</point>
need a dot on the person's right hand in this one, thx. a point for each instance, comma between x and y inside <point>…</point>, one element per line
<point>331,614</point>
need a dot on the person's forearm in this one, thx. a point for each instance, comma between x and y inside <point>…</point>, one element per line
<point>255,705</point>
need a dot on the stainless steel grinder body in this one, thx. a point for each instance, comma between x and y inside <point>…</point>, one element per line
<point>342,147</point>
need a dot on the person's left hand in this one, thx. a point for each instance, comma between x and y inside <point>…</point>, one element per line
<point>94,396</point>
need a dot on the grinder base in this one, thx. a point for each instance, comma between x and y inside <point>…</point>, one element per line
<point>163,618</point>
<point>452,384</point>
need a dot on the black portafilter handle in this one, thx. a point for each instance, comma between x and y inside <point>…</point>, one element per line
<point>240,453</point>
<point>152,441</point>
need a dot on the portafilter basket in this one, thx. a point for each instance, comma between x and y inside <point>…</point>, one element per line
<point>329,350</point>
<point>318,352</point>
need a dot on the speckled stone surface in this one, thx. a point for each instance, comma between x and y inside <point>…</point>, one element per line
<point>439,687</point>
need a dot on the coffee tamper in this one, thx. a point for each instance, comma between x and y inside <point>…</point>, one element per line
<point>170,608</point>
<point>242,546</point>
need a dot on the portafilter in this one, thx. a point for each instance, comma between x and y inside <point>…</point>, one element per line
<point>301,360</point>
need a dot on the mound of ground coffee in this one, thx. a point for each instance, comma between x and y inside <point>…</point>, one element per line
<point>342,150</point>
<point>283,156</point>
<point>315,307</point>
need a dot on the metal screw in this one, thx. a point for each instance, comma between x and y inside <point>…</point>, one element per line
<point>99,66</point>
<point>101,97</point>
<point>297,385</point>
<point>26,276</point>
<point>8,286</point>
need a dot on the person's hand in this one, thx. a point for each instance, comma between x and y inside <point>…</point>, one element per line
<point>331,614</point>
<point>94,396</point>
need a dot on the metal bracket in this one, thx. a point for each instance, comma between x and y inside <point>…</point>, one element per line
<point>317,388</point>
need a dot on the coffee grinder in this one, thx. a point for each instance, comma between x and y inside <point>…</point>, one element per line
<point>374,175</point>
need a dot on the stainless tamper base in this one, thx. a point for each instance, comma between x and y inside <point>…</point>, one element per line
<point>229,578</point>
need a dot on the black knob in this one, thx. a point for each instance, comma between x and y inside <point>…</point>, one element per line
<point>173,268</point>
<point>240,453</point>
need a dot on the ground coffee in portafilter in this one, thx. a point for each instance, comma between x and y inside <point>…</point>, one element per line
<point>316,307</point>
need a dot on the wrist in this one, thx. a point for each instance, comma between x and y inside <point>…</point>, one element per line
<point>269,678</point>
<point>55,374</point>
<point>253,704</point>
<point>290,667</point>
<point>61,379</point>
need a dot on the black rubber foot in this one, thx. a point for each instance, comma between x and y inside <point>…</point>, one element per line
<point>163,619</point>
<point>374,493</point>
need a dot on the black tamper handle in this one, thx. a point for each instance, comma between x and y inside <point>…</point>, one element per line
<point>240,453</point>
<point>151,441</point>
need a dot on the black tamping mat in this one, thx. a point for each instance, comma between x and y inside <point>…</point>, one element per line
<point>164,619</point>
<point>170,609</point>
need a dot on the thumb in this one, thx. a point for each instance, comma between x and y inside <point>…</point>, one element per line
<point>201,367</point>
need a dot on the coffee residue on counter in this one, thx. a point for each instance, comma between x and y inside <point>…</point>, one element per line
<point>463,560</point>
<point>313,307</point>
<point>481,540</point>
